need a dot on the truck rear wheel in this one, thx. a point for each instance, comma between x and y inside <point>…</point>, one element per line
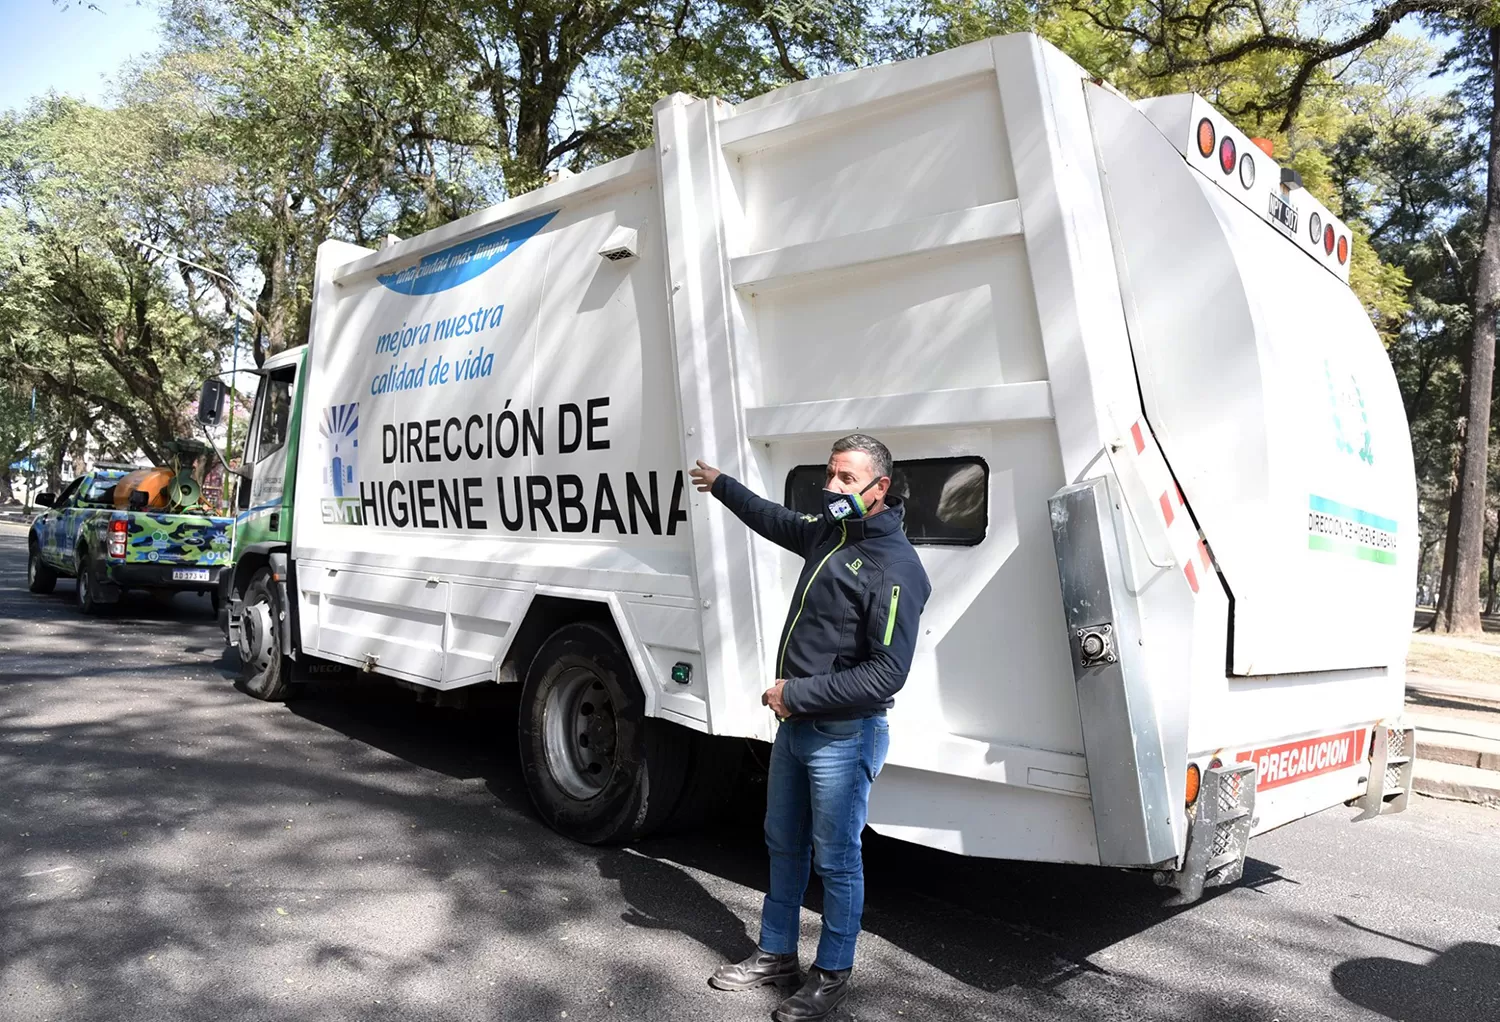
<point>263,671</point>
<point>87,593</point>
<point>597,769</point>
<point>39,577</point>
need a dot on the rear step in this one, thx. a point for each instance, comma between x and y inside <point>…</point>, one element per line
<point>1218,834</point>
<point>1390,773</point>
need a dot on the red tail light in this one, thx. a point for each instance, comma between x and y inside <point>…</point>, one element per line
<point>1343,250</point>
<point>1227,155</point>
<point>117,530</point>
<point>1328,239</point>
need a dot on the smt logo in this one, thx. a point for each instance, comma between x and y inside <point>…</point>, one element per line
<point>340,449</point>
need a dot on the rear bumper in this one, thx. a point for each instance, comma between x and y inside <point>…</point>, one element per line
<point>159,576</point>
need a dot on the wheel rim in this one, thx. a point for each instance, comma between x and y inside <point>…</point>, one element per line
<point>31,569</point>
<point>255,636</point>
<point>579,731</point>
<point>83,588</point>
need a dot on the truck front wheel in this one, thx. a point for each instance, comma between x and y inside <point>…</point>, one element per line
<point>263,671</point>
<point>597,769</point>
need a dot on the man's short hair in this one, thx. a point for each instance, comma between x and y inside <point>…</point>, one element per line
<point>880,454</point>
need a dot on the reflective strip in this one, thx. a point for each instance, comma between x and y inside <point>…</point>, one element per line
<point>890,620</point>
<point>843,535</point>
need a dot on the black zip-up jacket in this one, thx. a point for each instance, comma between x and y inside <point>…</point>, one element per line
<point>847,644</point>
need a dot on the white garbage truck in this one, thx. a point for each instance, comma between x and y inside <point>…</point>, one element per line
<point>1153,454</point>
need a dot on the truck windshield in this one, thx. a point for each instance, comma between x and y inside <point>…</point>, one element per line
<point>275,416</point>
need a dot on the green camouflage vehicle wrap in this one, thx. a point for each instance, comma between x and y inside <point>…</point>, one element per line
<point>177,539</point>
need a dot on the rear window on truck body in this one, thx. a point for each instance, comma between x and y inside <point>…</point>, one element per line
<point>947,499</point>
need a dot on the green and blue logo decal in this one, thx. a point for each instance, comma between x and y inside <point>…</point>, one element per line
<point>1340,529</point>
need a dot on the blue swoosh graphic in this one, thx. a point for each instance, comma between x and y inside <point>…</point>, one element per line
<point>257,509</point>
<point>461,263</point>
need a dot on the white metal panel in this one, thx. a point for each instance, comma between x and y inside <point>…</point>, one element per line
<point>1071,267</point>
<point>969,313</point>
<point>971,817</point>
<point>576,343</point>
<point>355,621</point>
<point>1274,401</point>
<point>704,324</point>
<point>933,409</point>
<point>482,620</point>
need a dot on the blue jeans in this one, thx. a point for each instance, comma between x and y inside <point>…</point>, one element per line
<point>817,799</point>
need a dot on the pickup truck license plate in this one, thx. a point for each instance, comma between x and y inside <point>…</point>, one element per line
<point>189,574</point>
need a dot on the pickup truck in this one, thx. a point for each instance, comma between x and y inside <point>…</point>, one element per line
<point>90,534</point>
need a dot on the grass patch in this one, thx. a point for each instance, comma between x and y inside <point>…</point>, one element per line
<point>1432,654</point>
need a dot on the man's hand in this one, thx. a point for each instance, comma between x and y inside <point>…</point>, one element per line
<point>704,476</point>
<point>772,697</point>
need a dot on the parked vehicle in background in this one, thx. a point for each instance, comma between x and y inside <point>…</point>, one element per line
<point>1153,454</point>
<point>114,531</point>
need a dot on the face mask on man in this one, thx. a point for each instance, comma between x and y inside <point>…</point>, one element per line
<point>847,506</point>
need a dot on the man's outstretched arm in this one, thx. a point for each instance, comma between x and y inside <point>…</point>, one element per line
<point>782,526</point>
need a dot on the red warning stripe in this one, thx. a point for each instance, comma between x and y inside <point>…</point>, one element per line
<point>1192,576</point>
<point>1166,509</point>
<point>1140,441</point>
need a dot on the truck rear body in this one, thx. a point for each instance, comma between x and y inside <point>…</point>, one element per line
<point>1155,458</point>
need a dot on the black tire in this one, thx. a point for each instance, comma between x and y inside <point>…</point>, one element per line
<point>712,783</point>
<point>39,577</point>
<point>581,686</point>
<point>86,595</point>
<point>264,671</point>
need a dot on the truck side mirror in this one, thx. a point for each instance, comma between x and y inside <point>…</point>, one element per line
<point>45,500</point>
<point>211,401</point>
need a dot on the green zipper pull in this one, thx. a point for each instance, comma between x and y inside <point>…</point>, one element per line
<point>890,620</point>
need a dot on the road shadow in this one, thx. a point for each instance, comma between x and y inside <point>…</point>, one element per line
<point>991,924</point>
<point>1462,982</point>
<point>183,850</point>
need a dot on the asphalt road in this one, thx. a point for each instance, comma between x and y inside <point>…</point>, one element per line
<point>172,849</point>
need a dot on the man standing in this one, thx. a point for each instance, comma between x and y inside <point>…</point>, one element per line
<point>844,653</point>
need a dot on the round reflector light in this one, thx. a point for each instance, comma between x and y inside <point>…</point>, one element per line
<point>1194,782</point>
<point>1227,155</point>
<point>1206,137</point>
<point>1328,239</point>
<point>1343,250</point>
<point>1315,228</point>
<point>1247,170</point>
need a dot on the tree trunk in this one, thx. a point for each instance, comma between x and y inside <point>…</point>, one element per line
<point>1494,583</point>
<point>1459,611</point>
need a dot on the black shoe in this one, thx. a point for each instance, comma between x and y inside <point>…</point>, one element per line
<point>818,997</point>
<point>760,969</point>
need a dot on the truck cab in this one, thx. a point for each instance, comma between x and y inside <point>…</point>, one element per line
<point>255,587</point>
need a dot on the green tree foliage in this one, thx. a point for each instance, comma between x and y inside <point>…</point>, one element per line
<point>268,126</point>
<point>118,341</point>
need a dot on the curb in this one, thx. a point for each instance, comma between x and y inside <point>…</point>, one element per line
<point>1458,783</point>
